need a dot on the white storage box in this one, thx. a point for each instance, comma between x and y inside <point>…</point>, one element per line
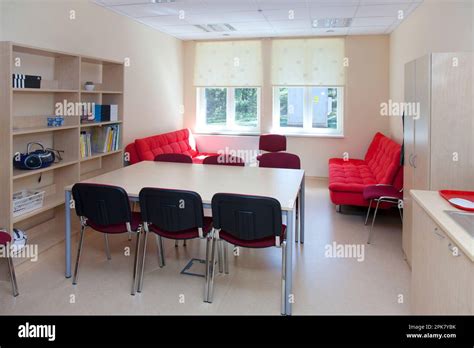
<point>25,201</point>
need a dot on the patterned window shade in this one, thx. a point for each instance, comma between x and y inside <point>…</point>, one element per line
<point>228,64</point>
<point>306,62</point>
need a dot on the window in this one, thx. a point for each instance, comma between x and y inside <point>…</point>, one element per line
<point>229,109</point>
<point>311,109</point>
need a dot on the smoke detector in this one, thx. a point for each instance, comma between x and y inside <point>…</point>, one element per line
<point>326,23</point>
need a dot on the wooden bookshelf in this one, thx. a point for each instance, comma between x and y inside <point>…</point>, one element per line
<point>24,113</point>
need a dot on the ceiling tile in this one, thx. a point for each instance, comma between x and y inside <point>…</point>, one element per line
<point>372,21</point>
<point>227,17</point>
<point>280,15</point>
<point>162,20</point>
<point>252,26</point>
<point>144,10</point>
<point>231,5</point>
<point>381,10</point>
<point>367,30</point>
<point>301,24</point>
<point>332,11</point>
<point>281,4</point>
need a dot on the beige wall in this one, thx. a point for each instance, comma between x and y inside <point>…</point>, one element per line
<point>435,26</point>
<point>367,86</point>
<point>153,82</point>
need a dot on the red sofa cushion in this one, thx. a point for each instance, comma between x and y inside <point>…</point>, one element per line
<point>381,165</point>
<point>172,142</point>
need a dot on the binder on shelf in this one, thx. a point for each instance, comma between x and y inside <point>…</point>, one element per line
<point>106,139</point>
<point>114,112</point>
<point>26,81</point>
<point>105,113</point>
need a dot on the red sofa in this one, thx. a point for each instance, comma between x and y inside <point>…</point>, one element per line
<point>381,165</point>
<point>181,141</point>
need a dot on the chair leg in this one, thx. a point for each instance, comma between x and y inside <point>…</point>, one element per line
<point>220,245</point>
<point>208,262</point>
<point>161,251</point>
<point>184,243</point>
<point>212,270</point>
<point>373,221</point>
<point>12,277</point>
<point>135,264</point>
<point>283,278</point>
<point>400,212</point>
<point>226,259</point>
<point>79,250</point>
<point>176,243</point>
<point>368,212</point>
<point>140,280</point>
<point>338,208</point>
<point>107,248</point>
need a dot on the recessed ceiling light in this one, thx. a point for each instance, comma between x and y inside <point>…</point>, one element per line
<point>331,22</point>
<point>220,27</point>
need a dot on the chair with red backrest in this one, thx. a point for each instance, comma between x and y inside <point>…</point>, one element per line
<point>280,160</point>
<point>271,143</point>
<point>225,160</point>
<point>105,209</point>
<point>174,157</point>
<point>172,214</point>
<point>245,221</point>
<point>5,240</point>
<point>392,194</point>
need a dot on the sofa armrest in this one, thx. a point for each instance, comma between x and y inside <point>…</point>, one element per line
<point>131,154</point>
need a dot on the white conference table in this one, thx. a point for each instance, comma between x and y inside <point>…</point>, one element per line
<point>285,185</point>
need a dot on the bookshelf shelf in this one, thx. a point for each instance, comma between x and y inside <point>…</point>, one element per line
<point>18,173</point>
<point>99,124</point>
<point>31,130</point>
<point>24,119</point>
<point>101,92</point>
<point>44,90</point>
<point>98,155</point>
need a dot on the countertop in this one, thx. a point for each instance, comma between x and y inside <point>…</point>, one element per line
<point>435,207</point>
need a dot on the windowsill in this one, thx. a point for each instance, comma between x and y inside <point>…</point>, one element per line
<point>289,135</point>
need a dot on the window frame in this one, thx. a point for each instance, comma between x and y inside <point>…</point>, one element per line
<point>230,126</point>
<point>308,128</point>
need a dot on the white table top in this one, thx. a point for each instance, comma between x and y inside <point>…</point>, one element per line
<point>207,180</point>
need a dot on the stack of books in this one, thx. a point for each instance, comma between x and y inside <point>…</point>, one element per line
<point>86,144</point>
<point>106,139</point>
<point>26,81</point>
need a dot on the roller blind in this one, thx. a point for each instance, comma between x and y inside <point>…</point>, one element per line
<point>300,62</point>
<point>228,64</point>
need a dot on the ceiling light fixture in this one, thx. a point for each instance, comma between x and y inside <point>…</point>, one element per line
<point>322,23</point>
<point>218,28</point>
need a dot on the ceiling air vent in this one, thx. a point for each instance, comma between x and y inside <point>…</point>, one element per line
<point>325,23</point>
<point>217,28</point>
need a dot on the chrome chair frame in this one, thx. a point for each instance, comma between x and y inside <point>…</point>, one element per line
<point>107,249</point>
<point>213,238</point>
<point>387,199</point>
<point>11,271</point>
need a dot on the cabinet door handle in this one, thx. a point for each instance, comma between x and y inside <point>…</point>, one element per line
<point>437,233</point>
<point>409,160</point>
<point>454,250</point>
<point>413,161</point>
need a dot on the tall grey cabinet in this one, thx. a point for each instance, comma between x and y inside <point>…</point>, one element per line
<point>439,141</point>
